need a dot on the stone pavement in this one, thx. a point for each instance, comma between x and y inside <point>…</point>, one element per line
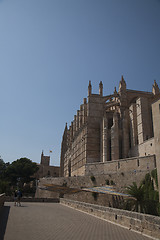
<point>53,221</point>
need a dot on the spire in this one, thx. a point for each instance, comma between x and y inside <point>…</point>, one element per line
<point>84,100</point>
<point>65,131</point>
<point>122,85</point>
<point>155,88</point>
<point>101,88</point>
<point>89,89</point>
<point>42,157</point>
<point>115,91</point>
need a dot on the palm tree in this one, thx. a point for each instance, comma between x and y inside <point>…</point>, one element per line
<point>145,198</point>
<point>137,200</point>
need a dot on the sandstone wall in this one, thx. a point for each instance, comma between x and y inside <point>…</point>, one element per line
<point>118,173</point>
<point>144,119</point>
<point>44,171</point>
<point>79,172</point>
<point>146,148</point>
<point>75,156</point>
<point>156,123</point>
<point>108,200</point>
<point>128,166</point>
<point>119,180</point>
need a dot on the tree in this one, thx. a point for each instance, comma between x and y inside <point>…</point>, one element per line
<point>21,170</point>
<point>136,203</point>
<point>2,168</point>
<point>145,197</point>
<point>151,195</point>
<point>5,187</point>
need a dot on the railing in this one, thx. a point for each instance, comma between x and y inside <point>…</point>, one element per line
<point>2,200</point>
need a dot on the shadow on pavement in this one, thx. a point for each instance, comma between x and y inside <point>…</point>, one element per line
<point>4,213</point>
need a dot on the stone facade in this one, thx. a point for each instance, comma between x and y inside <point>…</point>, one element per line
<point>109,128</point>
<point>156,121</point>
<point>45,170</point>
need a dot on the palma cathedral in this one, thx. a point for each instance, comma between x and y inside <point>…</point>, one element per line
<point>119,126</point>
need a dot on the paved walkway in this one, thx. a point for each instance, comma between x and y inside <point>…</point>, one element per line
<point>53,221</point>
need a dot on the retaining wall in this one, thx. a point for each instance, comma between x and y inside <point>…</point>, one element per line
<point>127,165</point>
<point>30,199</point>
<point>121,180</point>
<point>143,223</point>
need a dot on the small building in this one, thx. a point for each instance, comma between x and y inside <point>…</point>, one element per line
<point>45,170</point>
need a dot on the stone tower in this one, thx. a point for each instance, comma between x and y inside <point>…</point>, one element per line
<point>45,160</point>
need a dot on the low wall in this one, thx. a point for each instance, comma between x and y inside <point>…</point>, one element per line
<point>2,200</point>
<point>30,199</point>
<point>146,224</point>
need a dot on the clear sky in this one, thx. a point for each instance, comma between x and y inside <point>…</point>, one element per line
<point>50,49</point>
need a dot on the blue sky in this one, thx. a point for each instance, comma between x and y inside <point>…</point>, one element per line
<point>50,49</point>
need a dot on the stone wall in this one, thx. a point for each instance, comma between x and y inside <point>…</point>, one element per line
<point>145,224</point>
<point>146,148</point>
<point>108,200</point>
<point>42,193</point>
<point>44,171</point>
<point>120,173</point>
<point>128,165</point>
<point>144,122</point>
<point>156,117</point>
<point>79,172</point>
